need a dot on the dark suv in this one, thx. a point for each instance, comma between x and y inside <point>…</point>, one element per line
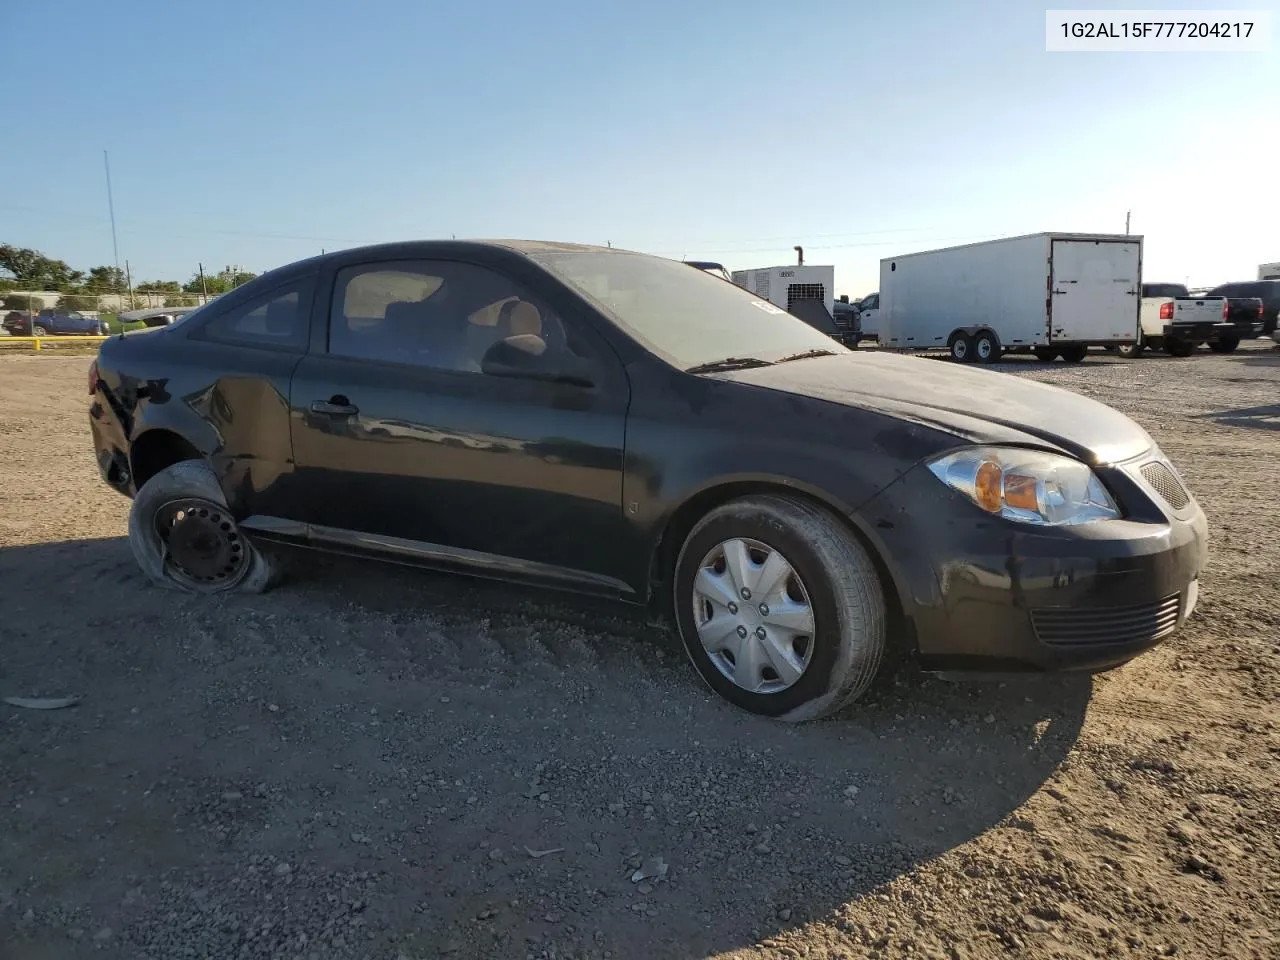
<point>1268,291</point>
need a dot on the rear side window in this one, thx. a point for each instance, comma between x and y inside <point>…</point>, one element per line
<point>276,320</point>
<point>1163,290</point>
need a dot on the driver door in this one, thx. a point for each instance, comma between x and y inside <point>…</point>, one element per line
<point>398,434</point>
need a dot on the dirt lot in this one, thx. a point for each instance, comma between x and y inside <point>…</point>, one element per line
<point>377,762</point>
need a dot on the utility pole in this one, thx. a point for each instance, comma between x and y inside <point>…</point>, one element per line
<point>204,290</point>
<point>128,279</point>
<point>111,208</point>
<point>1126,222</point>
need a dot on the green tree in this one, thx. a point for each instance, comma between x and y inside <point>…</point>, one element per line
<point>106,280</point>
<point>159,286</point>
<point>77,301</point>
<point>21,301</point>
<point>31,268</point>
<point>216,283</point>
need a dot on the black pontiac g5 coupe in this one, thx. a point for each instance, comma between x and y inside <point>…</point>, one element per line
<point>616,423</point>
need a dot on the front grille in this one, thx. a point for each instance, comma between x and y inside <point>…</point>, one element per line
<point>1165,482</point>
<point>1093,626</point>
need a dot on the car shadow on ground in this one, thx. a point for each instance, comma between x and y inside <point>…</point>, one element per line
<point>1264,417</point>
<point>425,732</point>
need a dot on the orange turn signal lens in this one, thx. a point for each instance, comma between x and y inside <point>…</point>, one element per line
<point>1020,492</point>
<point>986,486</point>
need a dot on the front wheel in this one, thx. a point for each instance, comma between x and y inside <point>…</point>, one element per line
<point>780,608</point>
<point>183,535</point>
<point>1177,347</point>
<point>1130,351</point>
<point>1224,344</point>
<point>1045,354</point>
<point>961,347</point>
<point>1074,353</point>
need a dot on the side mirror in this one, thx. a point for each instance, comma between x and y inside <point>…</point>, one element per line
<point>525,357</point>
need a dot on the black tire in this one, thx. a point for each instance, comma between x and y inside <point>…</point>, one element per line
<point>986,348</point>
<point>1130,351</point>
<point>845,598</point>
<point>1224,344</point>
<point>39,331</point>
<point>1045,354</point>
<point>194,482</point>
<point>961,347</point>
<point>1177,347</point>
<point>1075,353</point>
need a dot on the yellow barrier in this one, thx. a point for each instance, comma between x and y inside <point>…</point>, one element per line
<point>37,341</point>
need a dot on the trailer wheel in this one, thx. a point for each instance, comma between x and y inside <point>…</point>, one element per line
<point>1224,344</point>
<point>961,347</point>
<point>1074,353</point>
<point>1131,351</point>
<point>986,348</point>
<point>1045,354</point>
<point>1177,347</point>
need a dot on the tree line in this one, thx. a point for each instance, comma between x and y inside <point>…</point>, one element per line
<point>22,268</point>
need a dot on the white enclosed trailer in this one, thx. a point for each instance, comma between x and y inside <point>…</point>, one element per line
<point>1054,294</point>
<point>1269,271</point>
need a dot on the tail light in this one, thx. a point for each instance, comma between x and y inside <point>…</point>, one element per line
<point>93,378</point>
<point>1166,311</point>
<point>1225,309</point>
<point>1259,310</point>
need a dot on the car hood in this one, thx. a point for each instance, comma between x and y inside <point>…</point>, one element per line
<point>983,406</point>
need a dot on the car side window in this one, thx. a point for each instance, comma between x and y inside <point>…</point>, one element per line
<point>441,315</point>
<point>872,302</point>
<point>276,320</point>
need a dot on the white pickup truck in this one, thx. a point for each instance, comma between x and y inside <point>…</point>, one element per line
<point>1173,321</point>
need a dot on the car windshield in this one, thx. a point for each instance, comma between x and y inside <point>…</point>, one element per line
<point>687,317</point>
<point>1163,290</point>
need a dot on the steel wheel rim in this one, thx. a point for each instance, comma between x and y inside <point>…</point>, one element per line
<point>984,348</point>
<point>753,616</point>
<point>960,349</point>
<point>201,544</point>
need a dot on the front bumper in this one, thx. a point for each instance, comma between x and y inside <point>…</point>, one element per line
<point>983,593</point>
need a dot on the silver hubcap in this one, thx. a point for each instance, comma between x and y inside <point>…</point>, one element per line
<point>753,616</point>
<point>984,348</point>
<point>960,348</point>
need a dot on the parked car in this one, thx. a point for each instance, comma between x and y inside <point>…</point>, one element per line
<point>1170,319</point>
<point>1268,291</point>
<point>156,316</point>
<point>845,315</point>
<point>49,323</point>
<point>869,316</point>
<point>618,424</point>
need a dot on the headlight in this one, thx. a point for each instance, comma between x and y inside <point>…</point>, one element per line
<point>1029,486</point>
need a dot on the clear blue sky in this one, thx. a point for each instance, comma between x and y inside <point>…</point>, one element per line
<point>255,133</point>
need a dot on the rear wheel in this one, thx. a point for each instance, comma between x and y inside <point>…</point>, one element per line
<point>1075,353</point>
<point>183,535</point>
<point>986,349</point>
<point>39,331</point>
<point>1224,344</point>
<point>1131,351</point>
<point>961,347</point>
<point>1177,347</point>
<point>1045,354</point>
<point>779,607</point>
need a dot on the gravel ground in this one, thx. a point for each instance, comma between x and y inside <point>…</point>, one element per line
<point>377,762</point>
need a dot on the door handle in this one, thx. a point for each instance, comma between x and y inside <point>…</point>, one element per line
<point>334,408</point>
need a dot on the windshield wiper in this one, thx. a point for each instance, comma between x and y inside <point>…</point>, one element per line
<point>728,363</point>
<point>807,354</point>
